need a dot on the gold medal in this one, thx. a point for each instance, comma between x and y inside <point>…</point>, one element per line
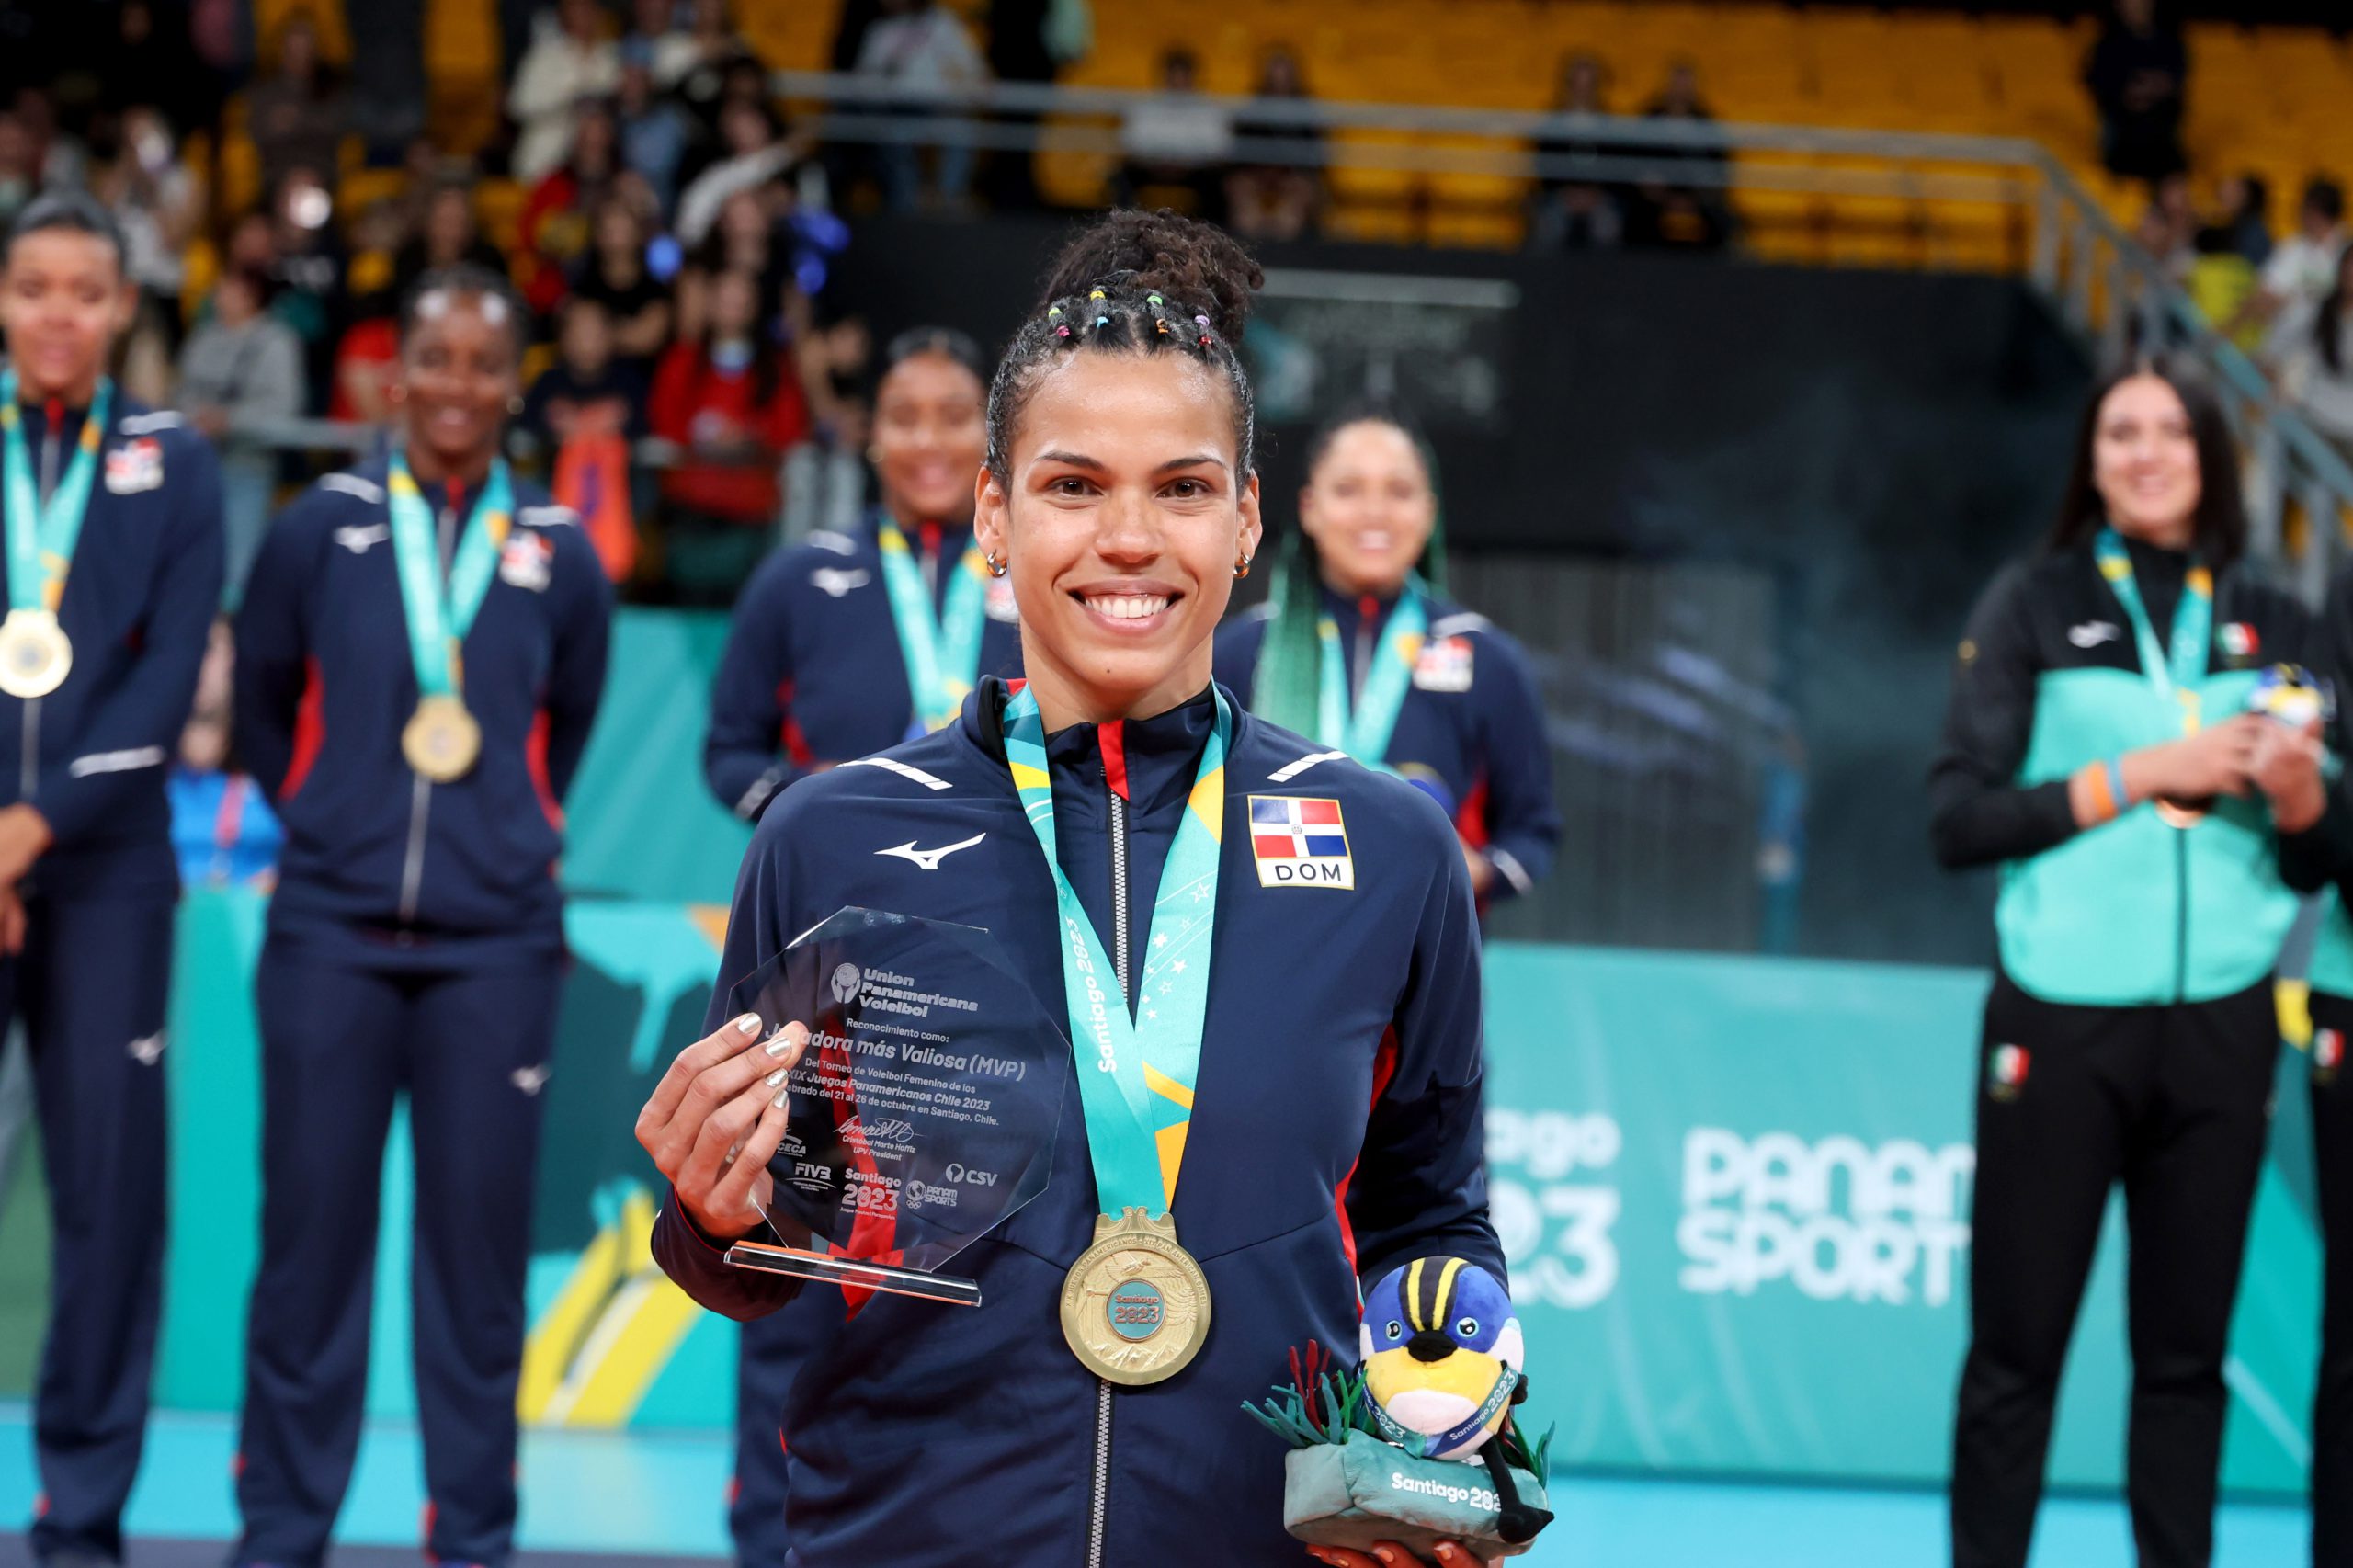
<point>441,740</point>
<point>1136,1306</point>
<point>35,655</point>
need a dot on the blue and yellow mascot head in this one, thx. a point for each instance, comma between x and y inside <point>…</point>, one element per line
<point>1441,1353</point>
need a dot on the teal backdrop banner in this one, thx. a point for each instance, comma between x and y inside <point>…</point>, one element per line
<point>1734,1194</point>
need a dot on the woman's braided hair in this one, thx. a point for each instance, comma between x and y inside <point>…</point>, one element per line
<point>1135,283</point>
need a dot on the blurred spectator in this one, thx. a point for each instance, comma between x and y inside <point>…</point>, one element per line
<point>1276,201</point>
<point>732,400</point>
<point>1694,216</point>
<point>307,270</point>
<point>2240,224</point>
<point>922,46</point>
<point>656,37</point>
<point>20,169</point>
<point>154,200</point>
<point>2135,73</point>
<point>571,60</point>
<point>825,474</point>
<point>1019,50</point>
<point>447,235</point>
<point>147,66</point>
<point>554,227</point>
<point>240,368</point>
<point>222,830</point>
<point>2317,366</point>
<point>743,241</point>
<point>588,390</point>
<point>2168,227</point>
<point>297,115</point>
<point>367,363</point>
<point>1572,213</point>
<point>57,156</point>
<point>614,277</point>
<point>757,152</point>
<point>653,131</point>
<point>1174,143</point>
<point>2302,267</point>
<point>696,68</point>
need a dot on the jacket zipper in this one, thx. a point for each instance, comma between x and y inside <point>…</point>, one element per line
<point>28,773</point>
<point>420,798</point>
<point>1099,1507</point>
<point>2182,926</point>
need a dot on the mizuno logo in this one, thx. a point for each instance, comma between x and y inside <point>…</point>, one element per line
<point>356,541</point>
<point>929,860</point>
<point>530,1080</point>
<point>833,584</point>
<point>2092,634</point>
<point>147,1050</point>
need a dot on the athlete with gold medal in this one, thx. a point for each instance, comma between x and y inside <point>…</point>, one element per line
<point>422,609</point>
<point>1267,955</point>
<point>113,559</point>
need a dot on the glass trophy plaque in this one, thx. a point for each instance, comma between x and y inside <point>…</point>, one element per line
<point>922,1114</point>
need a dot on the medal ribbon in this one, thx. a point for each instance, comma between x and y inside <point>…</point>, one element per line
<point>2176,677</point>
<point>942,652</point>
<point>1364,734</point>
<point>1458,1434</point>
<point>441,613</point>
<point>41,539</point>
<point>1138,1088</point>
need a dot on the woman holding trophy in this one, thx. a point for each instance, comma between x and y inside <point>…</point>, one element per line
<point>1283,1097</point>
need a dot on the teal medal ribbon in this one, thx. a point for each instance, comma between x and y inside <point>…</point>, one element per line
<point>1136,1074</point>
<point>1364,734</point>
<point>441,612</point>
<point>1455,1435</point>
<point>2176,674</point>
<point>942,652</point>
<point>35,655</point>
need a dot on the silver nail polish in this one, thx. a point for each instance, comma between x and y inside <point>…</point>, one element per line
<point>749,1024</point>
<point>781,1095</point>
<point>778,1046</point>
<point>779,1076</point>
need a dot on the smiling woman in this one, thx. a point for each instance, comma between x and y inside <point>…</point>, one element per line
<point>419,656</point>
<point>1323,1117</point>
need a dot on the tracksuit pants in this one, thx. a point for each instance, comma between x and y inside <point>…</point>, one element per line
<point>773,1350</point>
<point>339,1043</point>
<point>2331,1103</point>
<point>2175,1102</point>
<point>92,986</point>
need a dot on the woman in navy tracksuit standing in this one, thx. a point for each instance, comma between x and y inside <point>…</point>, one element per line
<point>832,640</point>
<point>113,563</point>
<point>1357,646</point>
<point>1313,1024</point>
<point>420,653</point>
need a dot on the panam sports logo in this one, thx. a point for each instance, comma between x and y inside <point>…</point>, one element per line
<point>1299,843</point>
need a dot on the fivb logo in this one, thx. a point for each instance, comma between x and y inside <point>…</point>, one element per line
<point>1839,1220</point>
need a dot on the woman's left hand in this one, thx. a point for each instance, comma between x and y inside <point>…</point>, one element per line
<point>1388,1554</point>
<point>2287,769</point>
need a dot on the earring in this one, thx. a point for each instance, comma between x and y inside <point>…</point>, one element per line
<point>515,405</point>
<point>1242,565</point>
<point>873,457</point>
<point>994,561</point>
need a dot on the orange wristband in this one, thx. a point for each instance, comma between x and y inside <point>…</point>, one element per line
<point>2103,795</point>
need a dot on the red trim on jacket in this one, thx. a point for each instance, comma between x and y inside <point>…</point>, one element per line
<point>309,729</point>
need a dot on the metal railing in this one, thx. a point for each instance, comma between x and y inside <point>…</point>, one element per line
<point>2099,280</point>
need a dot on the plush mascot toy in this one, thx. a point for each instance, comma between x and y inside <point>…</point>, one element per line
<point>1442,1356</point>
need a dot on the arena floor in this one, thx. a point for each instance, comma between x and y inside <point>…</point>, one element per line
<point>601,1500</point>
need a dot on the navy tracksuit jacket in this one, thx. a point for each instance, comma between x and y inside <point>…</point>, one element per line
<point>416,941</point>
<point>1337,1130</point>
<point>94,980</point>
<point>812,673</point>
<point>1470,731</point>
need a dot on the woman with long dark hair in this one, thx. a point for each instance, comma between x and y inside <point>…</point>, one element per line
<point>421,652</point>
<point>1323,1118</point>
<point>1359,646</point>
<point>2151,830</point>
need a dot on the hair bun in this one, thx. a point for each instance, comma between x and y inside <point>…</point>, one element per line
<point>1195,264</point>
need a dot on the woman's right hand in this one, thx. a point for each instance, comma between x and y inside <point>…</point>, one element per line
<point>715,1118</point>
<point>2217,760</point>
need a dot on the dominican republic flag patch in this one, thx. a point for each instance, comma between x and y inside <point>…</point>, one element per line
<point>2328,1056</point>
<point>1299,843</point>
<point>2006,1071</point>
